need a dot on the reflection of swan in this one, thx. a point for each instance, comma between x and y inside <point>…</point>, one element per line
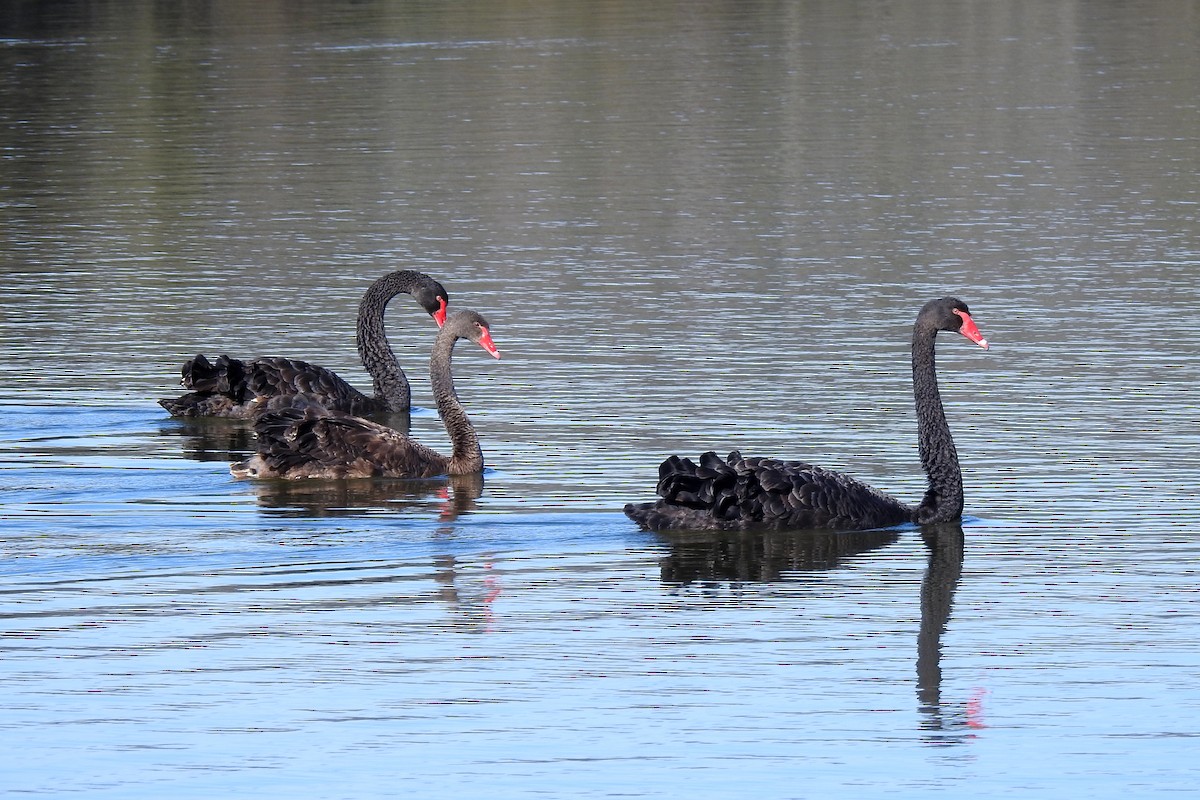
<point>470,587</point>
<point>945,544</point>
<point>211,438</point>
<point>450,497</point>
<point>231,387</point>
<point>740,556</point>
<point>738,493</point>
<point>306,440</point>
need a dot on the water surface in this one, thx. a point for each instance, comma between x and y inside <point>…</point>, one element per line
<point>691,226</point>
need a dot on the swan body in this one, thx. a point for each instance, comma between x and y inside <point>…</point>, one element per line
<point>737,493</point>
<point>230,387</point>
<point>299,438</point>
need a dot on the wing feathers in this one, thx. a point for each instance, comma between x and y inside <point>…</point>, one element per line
<point>737,493</point>
<point>299,438</point>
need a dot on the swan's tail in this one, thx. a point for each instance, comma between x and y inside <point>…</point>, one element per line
<point>227,376</point>
<point>217,389</point>
<point>282,424</point>
<point>694,496</point>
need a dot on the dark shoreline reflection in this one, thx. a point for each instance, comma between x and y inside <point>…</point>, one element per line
<point>749,556</point>
<point>942,575</point>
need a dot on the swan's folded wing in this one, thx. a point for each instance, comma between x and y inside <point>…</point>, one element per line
<point>308,440</point>
<point>752,492</point>
<point>795,493</point>
<point>275,377</point>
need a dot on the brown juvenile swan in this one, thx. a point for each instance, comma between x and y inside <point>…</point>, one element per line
<point>306,440</point>
<point>234,388</point>
<point>740,493</point>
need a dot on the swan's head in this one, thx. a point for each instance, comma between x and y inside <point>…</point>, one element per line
<point>466,324</point>
<point>439,315</point>
<point>433,298</point>
<point>485,341</point>
<point>952,314</point>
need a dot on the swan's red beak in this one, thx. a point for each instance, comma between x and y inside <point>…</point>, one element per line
<point>970,330</point>
<point>439,316</point>
<point>485,341</point>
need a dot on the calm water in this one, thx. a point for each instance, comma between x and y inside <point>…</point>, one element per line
<point>692,226</point>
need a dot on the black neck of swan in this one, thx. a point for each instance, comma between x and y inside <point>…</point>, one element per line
<point>943,501</point>
<point>466,455</point>
<point>391,385</point>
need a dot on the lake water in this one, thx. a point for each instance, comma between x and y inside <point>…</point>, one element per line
<point>692,226</point>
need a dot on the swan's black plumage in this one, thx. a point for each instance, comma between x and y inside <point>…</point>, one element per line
<point>298,437</point>
<point>743,493</point>
<point>231,387</point>
<point>738,492</point>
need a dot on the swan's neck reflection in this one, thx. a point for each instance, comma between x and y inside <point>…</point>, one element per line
<point>945,543</point>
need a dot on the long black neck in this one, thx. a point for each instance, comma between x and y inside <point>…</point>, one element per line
<point>391,385</point>
<point>466,454</point>
<point>943,501</point>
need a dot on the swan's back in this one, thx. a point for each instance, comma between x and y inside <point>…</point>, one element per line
<point>739,493</point>
<point>248,385</point>
<point>282,377</point>
<point>231,387</point>
<point>299,438</point>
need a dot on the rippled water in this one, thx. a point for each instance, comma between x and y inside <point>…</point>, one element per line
<point>691,227</point>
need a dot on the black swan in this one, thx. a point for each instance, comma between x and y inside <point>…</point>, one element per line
<point>299,438</point>
<point>740,493</point>
<point>234,388</point>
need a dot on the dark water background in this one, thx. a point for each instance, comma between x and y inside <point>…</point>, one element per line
<point>691,225</point>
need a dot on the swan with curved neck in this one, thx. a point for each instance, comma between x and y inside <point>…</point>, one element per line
<point>740,493</point>
<point>230,387</point>
<point>299,438</point>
